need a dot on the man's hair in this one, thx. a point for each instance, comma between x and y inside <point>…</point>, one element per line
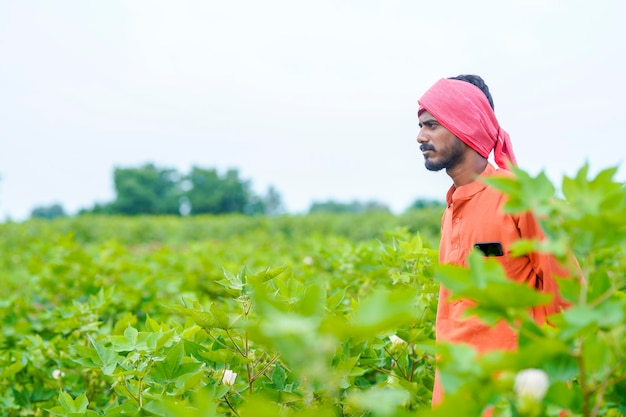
<point>478,82</point>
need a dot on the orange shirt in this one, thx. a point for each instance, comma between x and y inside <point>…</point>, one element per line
<point>474,214</point>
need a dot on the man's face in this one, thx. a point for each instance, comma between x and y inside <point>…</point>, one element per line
<point>441,149</point>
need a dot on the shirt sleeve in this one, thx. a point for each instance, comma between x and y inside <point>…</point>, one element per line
<point>545,268</point>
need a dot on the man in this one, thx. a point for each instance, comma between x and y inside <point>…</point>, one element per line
<point>458,132</point>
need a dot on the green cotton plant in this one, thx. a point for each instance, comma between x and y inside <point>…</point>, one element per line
<point>344,327</point>
<point>581,354</point>
<point>232,351</point>
<point>142,316</point>
<point>337,347</point>
<point>589,221</point>
<point>70,407</point>
<point>35,365</point>
<point>141,366</point>
<point>278,346</point>
<point>309,347</point>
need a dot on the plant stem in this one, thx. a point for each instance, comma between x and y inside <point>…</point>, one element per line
<point>413,363</point>
<point>235,344</point>
<point>393,359</point>
<point>231,406</point>
<point>139,392</point>
<point>262,371</point>
<point>250,380</point>
<point>130,393</point>
<point>583,378</point>
<point>225,346</point>
<point>606,381</point>
<point>603,297</point>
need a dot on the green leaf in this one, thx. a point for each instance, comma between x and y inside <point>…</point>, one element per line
<point>260,406</point>
<point>610,313</point>
<point>382,401</point>
<point>279,377</point>
<point>313,301</point>
<point>234,283</point>
<point>67,402</point>
<point>560,366</point>
<point>525,192</point>
<point>107,358</point>
<point>486,285</point>
<point>597,356</point>
<point>565,395</point>
<point>128,319</point>
<point>219,391</point>
<point>70,405</point>
<point>382,309</point>
<point>131,335</point>
<point>221,316</point>
<point>203,319</point>
<point>166,370</point>
<point>267,275</point>
<point>335,300</point>
<point>458,366</point>
<point>152,325</point>
<point>589,196</point>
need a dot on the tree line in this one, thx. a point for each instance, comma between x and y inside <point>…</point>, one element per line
<point>153,190</point>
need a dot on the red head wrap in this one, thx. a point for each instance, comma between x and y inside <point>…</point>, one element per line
<point>464,110</point>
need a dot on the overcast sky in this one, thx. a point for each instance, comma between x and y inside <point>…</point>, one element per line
<point>316,98</point>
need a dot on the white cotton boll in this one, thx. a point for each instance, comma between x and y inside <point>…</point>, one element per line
<point>229,377</point>
<point>307,260</point>
<point>57,374</point>
<point>395,340</point>
<point>531,383</point>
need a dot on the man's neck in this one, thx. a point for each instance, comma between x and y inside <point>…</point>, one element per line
<point>468,171</point>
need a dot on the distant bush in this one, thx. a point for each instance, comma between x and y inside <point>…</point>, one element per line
<point>90,228</point>
<point>355,207</point>
<point>53,211</point>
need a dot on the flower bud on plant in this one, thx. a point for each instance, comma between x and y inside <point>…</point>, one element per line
<point>395,340</point>
<point>397,345</point>
<point>229,377</point>
<point>531,383</point>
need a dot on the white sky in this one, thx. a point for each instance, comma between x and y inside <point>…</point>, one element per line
<point>317,98</point>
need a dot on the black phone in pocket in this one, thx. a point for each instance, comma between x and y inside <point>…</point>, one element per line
<point>490,248</point>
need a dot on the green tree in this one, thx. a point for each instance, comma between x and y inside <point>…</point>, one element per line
<point>332,206</point>
<point>422,203</point>
<point>153,190</point>
<point>273,202</point>
<point>48,212</point>
<point>146,190</point>
<point>214,194</point>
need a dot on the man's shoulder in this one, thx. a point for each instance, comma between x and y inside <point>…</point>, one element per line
<point>491,171</point>
<point>490,192</point>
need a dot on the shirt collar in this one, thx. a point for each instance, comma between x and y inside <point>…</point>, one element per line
<point>466,191</point>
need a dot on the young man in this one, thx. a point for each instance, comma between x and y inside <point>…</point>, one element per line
<point>458,132</point>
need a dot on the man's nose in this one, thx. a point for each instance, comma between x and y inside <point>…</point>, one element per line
<point>421,138</point>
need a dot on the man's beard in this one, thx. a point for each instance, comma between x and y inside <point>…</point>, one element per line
<point>454,157</point>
